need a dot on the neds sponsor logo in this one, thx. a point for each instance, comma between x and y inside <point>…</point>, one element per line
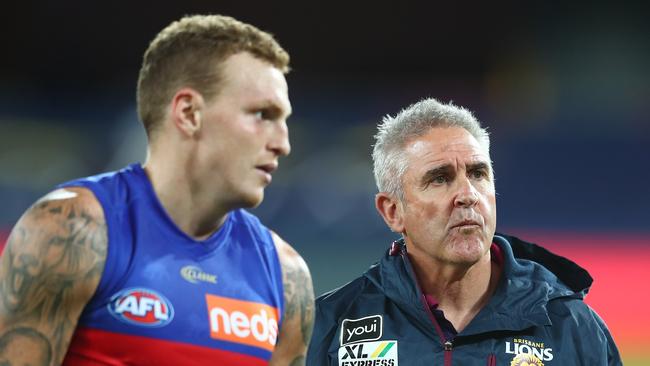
<point>251,323</point>
<point>141,306</point>
<point>364,329</point>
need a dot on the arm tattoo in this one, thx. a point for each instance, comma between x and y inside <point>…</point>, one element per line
<point>51,264</point>
<point>299,299</point>
<point>40,350</point>
<point>298,361</point>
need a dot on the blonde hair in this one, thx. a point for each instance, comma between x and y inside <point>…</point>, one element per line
<point>189,52</point>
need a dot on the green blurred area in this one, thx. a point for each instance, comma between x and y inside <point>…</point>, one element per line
<point>636,361</point>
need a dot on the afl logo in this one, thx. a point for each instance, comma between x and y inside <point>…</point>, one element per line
<point>141,306</point>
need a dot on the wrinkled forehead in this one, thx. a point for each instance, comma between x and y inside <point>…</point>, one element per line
<point>445,141</point>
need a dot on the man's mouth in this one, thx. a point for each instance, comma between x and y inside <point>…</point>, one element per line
<point>267,170</point>
<point>466,224</point>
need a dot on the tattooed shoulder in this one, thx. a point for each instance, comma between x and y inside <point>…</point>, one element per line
<point>298,314</point>
<point>51,266</point>
<point>22,338</point>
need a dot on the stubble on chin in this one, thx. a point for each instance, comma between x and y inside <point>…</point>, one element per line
<point>467,244</point>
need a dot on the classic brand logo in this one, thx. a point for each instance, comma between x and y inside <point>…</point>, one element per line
<point>382,353</point>
<point>251,323</point>
<point>141,306</point>
<point>363,329</point>
<point>528,352</point>
<point>195,274</point>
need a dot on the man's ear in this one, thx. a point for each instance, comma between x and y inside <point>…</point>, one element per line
<point>391,210</point>
<point>186,111</point>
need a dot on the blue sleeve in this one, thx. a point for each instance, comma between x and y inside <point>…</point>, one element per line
<point>613,356</point>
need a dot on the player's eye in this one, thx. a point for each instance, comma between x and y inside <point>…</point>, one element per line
<point>261,114</point>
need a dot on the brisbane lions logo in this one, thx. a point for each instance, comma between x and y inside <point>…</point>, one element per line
<point>526,360</point>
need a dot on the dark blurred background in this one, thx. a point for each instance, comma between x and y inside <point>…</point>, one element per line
<point>563,88</point>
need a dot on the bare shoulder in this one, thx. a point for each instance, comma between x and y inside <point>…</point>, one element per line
<point>298,317</point>
<point>289,257</point>
<point>298,288</point>
<point>50,268</point>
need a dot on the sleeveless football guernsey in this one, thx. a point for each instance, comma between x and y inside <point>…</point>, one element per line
<point>167,299</point>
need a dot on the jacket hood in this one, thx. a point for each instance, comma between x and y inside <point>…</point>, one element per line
<point>570,274</point>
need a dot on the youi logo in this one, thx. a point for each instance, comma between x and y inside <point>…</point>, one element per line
<point>363,329</point>
<point>141,306</point>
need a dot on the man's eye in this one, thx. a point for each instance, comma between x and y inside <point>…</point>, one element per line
<point>267,114</point>
<point>478,174</point>
<point>440,179</point>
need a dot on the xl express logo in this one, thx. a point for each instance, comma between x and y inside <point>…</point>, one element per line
<point>245,322</point>
<point>363,329</point>
<point>141,306</point>
<point>382,353</point>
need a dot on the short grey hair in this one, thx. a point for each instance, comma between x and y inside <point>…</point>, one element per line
<point>416,120</point>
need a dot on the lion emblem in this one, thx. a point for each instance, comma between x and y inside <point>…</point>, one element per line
<point>525,359</point>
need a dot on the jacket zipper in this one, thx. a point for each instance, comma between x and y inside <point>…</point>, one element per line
<point>447,345</point>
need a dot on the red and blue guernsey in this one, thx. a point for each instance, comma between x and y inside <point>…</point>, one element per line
<point>167,299</point>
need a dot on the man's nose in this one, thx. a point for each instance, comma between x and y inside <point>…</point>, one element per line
<point>279,143</point>
<point>466,195</point>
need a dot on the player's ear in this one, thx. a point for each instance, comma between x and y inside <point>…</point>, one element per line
<point>391,210</point>
<point>186,111</point>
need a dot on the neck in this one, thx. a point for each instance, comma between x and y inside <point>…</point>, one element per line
<point>187,203</point>
<point>461,290</point>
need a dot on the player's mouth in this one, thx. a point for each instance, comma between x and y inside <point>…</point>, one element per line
<point>266,170</point>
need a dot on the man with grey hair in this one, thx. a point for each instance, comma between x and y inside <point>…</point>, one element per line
<point>451,288</point>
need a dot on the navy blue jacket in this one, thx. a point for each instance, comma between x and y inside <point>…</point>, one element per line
<point>536,316</point>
